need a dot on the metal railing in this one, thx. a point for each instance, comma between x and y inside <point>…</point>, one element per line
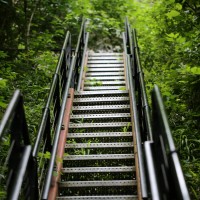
<point>80,53</point>
<point>141,115</point>
<point>16,178</point>
<point>161,176</point>
<point>166,179</point>
<point>138,82</point>
<point>73,72</point>
<point>50,118</point>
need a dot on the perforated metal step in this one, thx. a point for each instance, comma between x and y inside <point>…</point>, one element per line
<point>105,83</point>
<point>105,65</point>
<point>105,61</point>
<point>99,157</point>
<point>105,54</point>
<point>105,78</point>
<point>101,99</point>
<point>104,197</point>
<point>105,57</point>
<point>100,134</point>
<point>105,69</point>
<point>98,183</point>
<point>89,125</point>
<point>90,116</point>
<point>89,74</point>
<point>100,145</point>
<point>98,169</point>
<point>101,107</point>
<point>110,92</point>
<point>103,88</point>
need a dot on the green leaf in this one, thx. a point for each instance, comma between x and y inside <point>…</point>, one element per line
<point>55,173</point>
<point>59,160</point>
<point>188,175</point>
<point>3,54</point>
<point>180,40</point>
<point>172,13</point>
<point>21,46</point>
<point>173,35</point>
<point>122,88</point>
<point>2,104</point>
<point>2,83</point>
<point>170,39</point>
<point>195,70</point>
<point>178,6</point>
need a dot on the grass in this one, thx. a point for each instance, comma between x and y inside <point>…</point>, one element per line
<point>94,82</point>
<point>122,88</point>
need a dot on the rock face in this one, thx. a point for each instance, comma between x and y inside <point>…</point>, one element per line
<point>106,48</point>
<point>105,45</point>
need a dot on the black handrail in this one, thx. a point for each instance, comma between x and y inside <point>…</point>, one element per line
<point>166,179</point>
<point>18,161</point>
<point>143,181</point>
<point>80,52</point>
<point>139,84</point>
<point>70,82</point>
<point>82,62</point>
<point>141,113</point>
<point>51,112</point>
<point>48,177</point>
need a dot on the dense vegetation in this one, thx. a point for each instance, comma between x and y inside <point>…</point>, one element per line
<point>32,32</point>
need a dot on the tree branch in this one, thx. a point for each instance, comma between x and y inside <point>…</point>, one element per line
<point>30,22</point>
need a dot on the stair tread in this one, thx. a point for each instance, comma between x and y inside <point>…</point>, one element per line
<point>101,92</point>
<point>104,54</point>
<point>88,74</point>
<point>102,88</point>
<point>99,134</point>
<point>105,82</point>
<point>89,125</point>
<point>100,107</point>
<point>98,169</point>
<point>105,65</point>
<point>99,157</point>
<point>105,78</point>
<point>111,183</point>
<point>105,69</point>
<point>119,57</point>
<point>100,145</point>
<point>100,99</point>
<point>105,61</point>
<point>90,116</point>
<point>103,197</point>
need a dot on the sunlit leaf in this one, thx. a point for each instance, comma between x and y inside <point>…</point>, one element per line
<point>172,14</point>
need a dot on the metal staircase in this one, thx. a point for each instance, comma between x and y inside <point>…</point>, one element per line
<point>100,160</point>
<point>97,138</point>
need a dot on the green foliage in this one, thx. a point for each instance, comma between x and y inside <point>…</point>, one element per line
<point>126,128</point>
<point>45,155</point>
<point>122,88</point>
<point>168,34</point>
